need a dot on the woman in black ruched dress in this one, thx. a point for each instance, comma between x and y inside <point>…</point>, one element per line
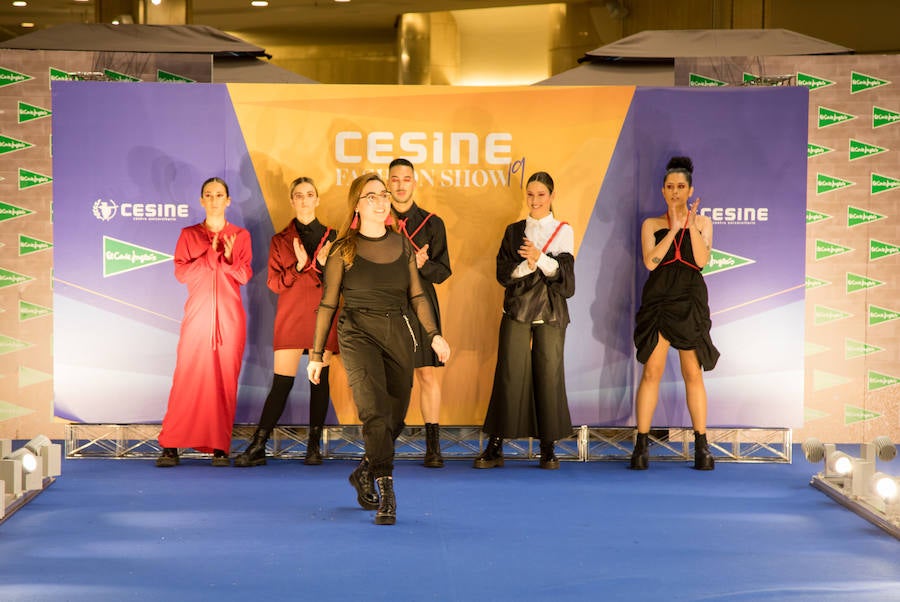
<point>674,310</point>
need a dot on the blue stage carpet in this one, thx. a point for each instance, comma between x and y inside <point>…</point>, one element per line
<point>126,530</point>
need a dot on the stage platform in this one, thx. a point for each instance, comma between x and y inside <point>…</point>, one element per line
<point>587,443</point>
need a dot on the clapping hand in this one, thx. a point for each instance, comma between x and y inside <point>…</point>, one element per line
<point>322,256</point>
<point>421,256</point>
<point>300,253</point>
<point>529,252</point>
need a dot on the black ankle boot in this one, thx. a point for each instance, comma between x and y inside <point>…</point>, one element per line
<point>548,457</point>
<point>703,458</point>
<point>492,455</point>
<point>433,458</point>
<point>387,503</point>
<point>255,454</point>
<point>313,453</point>
<point>361,479</point>
<point>640,457</point>
<point>168,458</point>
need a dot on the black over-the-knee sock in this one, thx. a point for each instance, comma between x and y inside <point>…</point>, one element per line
<point>275,402</point>
<point>318,399</point>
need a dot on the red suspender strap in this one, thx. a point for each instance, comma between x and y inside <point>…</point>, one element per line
<point>416,231</point>
<point>552,236</point>
<point>678,256</point>
<point>312,260</point>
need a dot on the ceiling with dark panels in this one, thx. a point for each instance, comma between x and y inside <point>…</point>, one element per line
<point>280,18</point>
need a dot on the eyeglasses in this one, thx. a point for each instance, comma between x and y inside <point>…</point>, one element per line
<point>377,197</point>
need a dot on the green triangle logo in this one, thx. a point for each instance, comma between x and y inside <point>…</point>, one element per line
<point>30,376</point>
<point>8,211</point>
<point>815,282</point>
<point>60,75</point>
<point>119,77</point>
<point>29,112</point>
<point>120,257</point>
<point>881,183</point>
<point>857,216</point>
<point>813,349</point>
<point>826,380</point>
<point>10,278</point>
<point>854,414</point>
<point>28,245</point>
<point>876,381</point>
<point>879,249</point>
<point>9,344</point>
<point>826,249</point>
<point>165,76</point>
<point>854,349</point>
<point>699,81</point>
<point>880,315</point>
<point>720,261</point>
<point>9,77</point>
<point>812,82</point>
<point>27,179</point>
<point>810,414</point>
<point>829,117</point>
<point>30,311</point>
<point>748,78</point>
<point>10,410</point>
<point>856,283</point>
<point>861,150</point>
<point>860,82</point>
<point>824,315</point>
<point>815,216</point>
<point>814,150</point>
<point>882,117</point>
<point>11,145</point>
<point>826,183</point>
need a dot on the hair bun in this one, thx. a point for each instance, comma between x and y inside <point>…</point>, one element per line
<point>684,163</point>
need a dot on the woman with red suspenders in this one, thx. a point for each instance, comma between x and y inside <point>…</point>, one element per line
<point>536,265</point>
<point>296,257</point>
<point>674,310</point>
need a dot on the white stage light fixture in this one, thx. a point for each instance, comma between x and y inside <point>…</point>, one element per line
<point>28,460</point>
<point>885,486</point>
<point>814,450</point>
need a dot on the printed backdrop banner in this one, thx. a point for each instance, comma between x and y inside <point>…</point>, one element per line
<point>129,161</point>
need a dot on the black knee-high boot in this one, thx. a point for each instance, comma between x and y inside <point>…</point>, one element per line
<point>318,410</point>
<point>255,454</point>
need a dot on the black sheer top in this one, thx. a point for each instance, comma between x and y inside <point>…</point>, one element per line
<point>383,278</point>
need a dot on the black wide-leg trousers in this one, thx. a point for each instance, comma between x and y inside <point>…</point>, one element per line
<point>377,351</point>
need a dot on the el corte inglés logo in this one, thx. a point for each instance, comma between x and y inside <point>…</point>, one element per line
<point>119,77</point>
<point>882,117</point>
<point>878,380</point>
<point>829,117</point>
<point>826,249</point>
<point>812,82</point>
<point>857,282</point>
<point>8,211</point>
<point>28,245</point>
<point>27,179</point>
<point>815,216</point>
<point>857,216</point>
<point>881,183</point>
<point>60,75</point>
<point>699,81</point>
<point>860,82</point>
<point>29,112</point>
<point>9,344</point>
<point>880,315</point>
<point>854,414</point>
<point>30,311</point>
<point>8,77</point>
<point>719,261</point>
<point>9,145</point>
<point>825,314</point>
<point>814,150</point>
<point>861,150</point>
<point>120,256</point>
<point>10,278</point>
<point>879,249</point>
<point>854,349</point>
<point>815,282</point>
<point>165,76</point>
<point>826,183</point>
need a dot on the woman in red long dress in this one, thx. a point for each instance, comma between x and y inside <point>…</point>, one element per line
<point>213,259</point>
<point>297,255</point>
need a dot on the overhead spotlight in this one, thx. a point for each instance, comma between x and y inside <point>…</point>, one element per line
<point>26,458</point>
<point>840,463</point>
<point>885,487</point>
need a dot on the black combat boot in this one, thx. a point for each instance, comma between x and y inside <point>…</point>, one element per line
<point>255,454</point>
<point>313,453</point>
<point>433,458</point>
<point>387,503</point>
<point>492,455</point>
<point>640,457</point>
<point>703,458</point>
<point>549,460</point>
<point>361,479</point>
<point>168,458</point>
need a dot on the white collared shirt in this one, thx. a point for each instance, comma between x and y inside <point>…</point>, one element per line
<point>539,232</point>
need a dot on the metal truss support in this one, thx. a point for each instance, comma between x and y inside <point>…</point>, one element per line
<point>586,444</point>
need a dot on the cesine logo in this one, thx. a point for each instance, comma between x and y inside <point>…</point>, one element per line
<point>105,210</point>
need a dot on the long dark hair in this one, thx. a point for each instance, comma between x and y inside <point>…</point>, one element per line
<point>680,165</point>
<point>346,243</point>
